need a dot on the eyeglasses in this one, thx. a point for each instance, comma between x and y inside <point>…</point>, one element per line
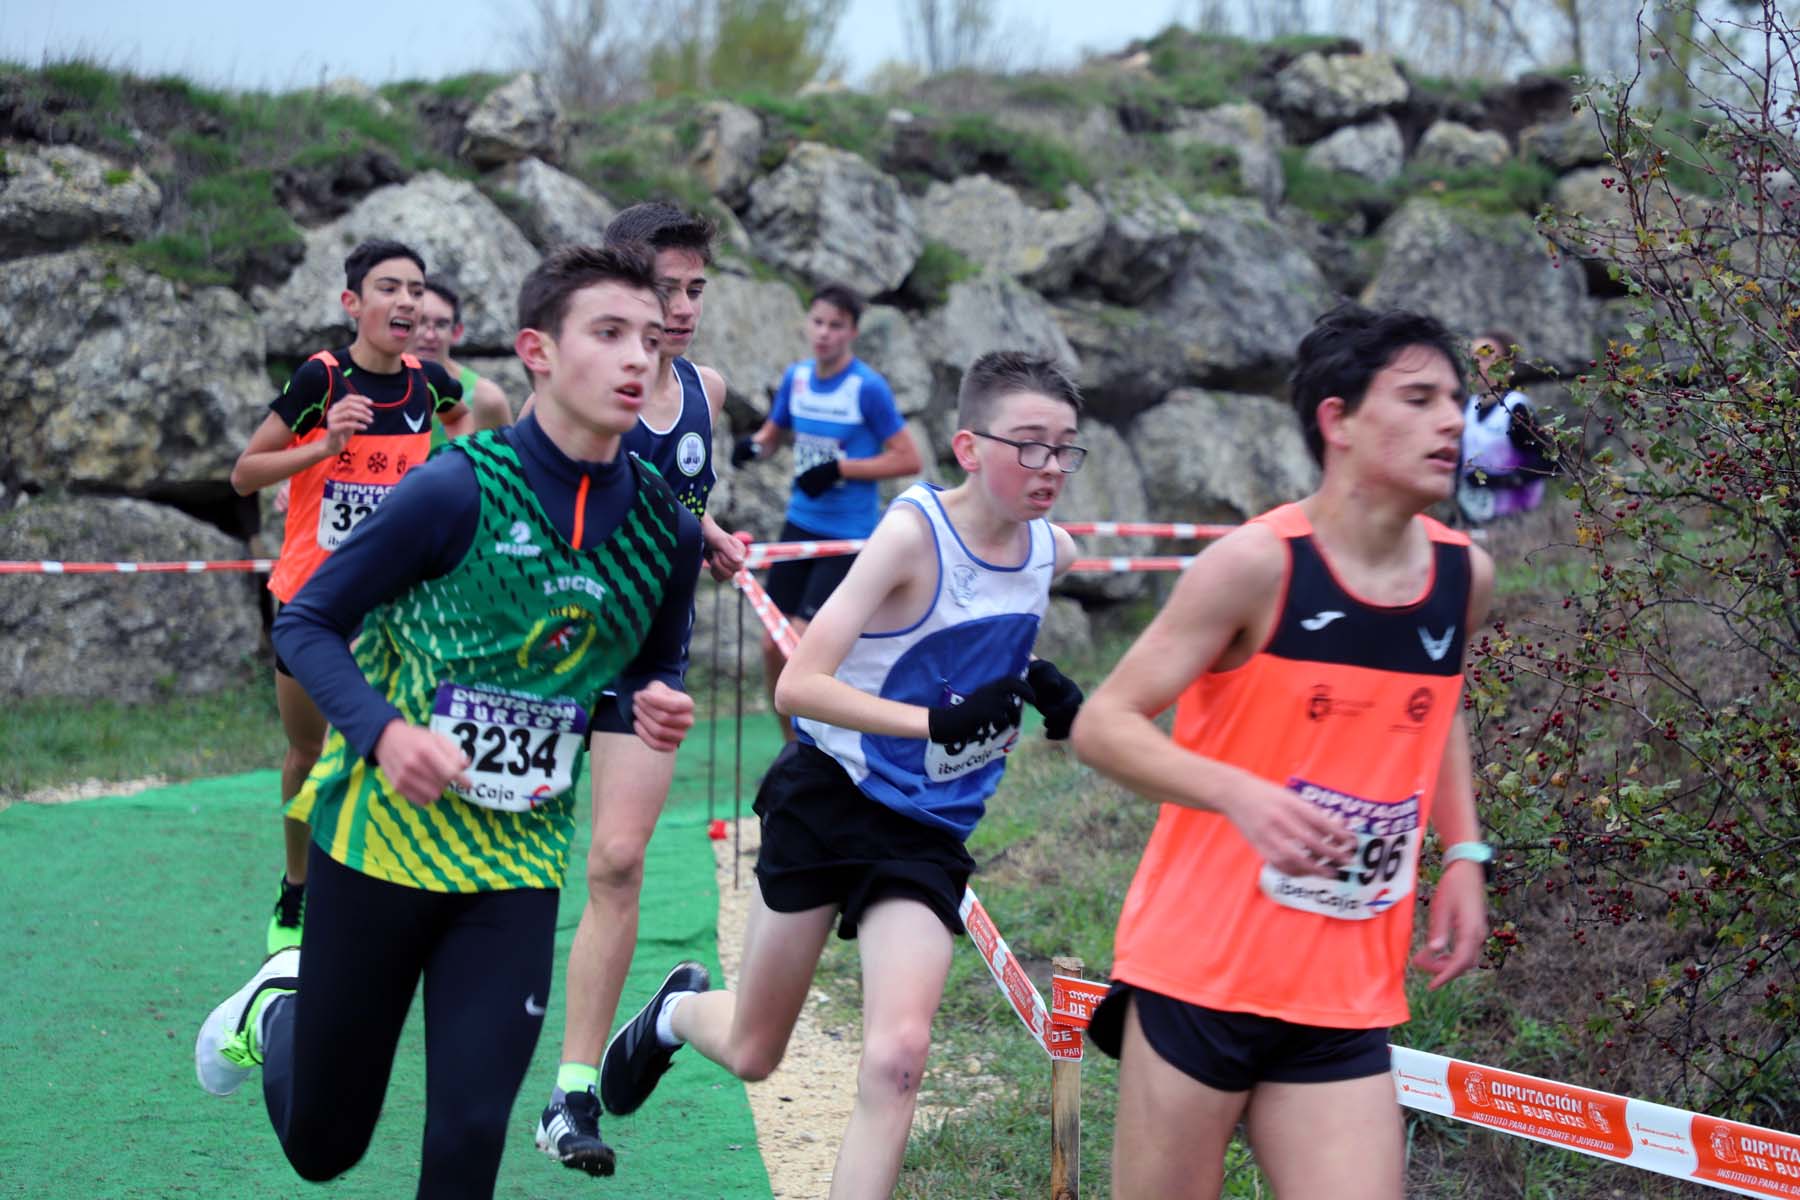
<point>441,325</point>
<point>1035,456</point>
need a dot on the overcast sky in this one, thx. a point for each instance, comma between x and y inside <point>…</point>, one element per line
<point>230,43</point>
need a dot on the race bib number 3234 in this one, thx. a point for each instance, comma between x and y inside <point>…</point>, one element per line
<point>522,749</point>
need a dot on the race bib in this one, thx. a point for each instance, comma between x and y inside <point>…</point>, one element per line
<point>522,749</point>
<point>342,507</point>
<point>1477,502</point>
<point>810,450</point>
<point>1381,874</point>
<point>952,759</point>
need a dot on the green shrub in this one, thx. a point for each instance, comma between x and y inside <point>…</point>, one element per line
<point>938,267</point>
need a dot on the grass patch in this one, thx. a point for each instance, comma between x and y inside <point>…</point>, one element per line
<point>846,120</point>
<point>1040,167</point>
<point>938,267</point>
<point>55,741</point>
<point>221,220</point>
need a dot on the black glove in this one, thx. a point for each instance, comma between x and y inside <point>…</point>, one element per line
<point>1058,697</point>
<point>993,707</point>
<point>745,449</point>
<point>816,481</point>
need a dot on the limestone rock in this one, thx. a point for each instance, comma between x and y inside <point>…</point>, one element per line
<point>991,312</point>
<point>1320,92</point>
<point>459,231</point>
<point>112,379</point>
<point>885,339</point>
<point>56,196</point>
<point>751,331</point>
<point>126,637</point>
<point>727,156</point>
<point>1109,487</point>
<point>1373,150</point>
<point>1221,456</point>
<point>519,119</point>
<point>986,222</point>
<point>1252,132</point>
<point>827,214</point>
<point>557,207</point>
<point>1066,632</point>
<point>1472,270</point>
<point>1244,294</point>
<point>1566,143</point>
<point>1130,357</point>
<point>1453,146</point>
<point>1147,229</point>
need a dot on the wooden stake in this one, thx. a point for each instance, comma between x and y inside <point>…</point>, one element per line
<point>1065,1112</point>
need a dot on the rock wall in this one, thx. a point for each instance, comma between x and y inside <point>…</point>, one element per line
<point>1179,312</point>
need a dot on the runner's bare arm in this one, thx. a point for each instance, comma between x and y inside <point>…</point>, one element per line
<point>877,580</point>
<point>1220,605</point>
<point>714,385</point>
<point>899,456</point>
<point>457,420</point>
<point>1457,926</point>
<point>273,456</point>
<point>1066,550</point>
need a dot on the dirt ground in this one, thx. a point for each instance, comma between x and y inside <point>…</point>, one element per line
<point>802,1109</point>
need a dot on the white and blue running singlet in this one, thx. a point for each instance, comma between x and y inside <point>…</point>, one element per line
<point>981,626</point>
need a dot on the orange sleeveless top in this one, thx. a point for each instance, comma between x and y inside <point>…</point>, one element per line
<point>1349,704</point>
<point>330,498</point>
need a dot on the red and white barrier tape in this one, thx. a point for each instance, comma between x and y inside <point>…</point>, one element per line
<point>761,554</point>
<point>773,619</point>
<point>1152,529</point>
<point>196,567</point>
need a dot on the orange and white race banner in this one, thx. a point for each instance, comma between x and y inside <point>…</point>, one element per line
<point>1152,529</point>
<point>196,567</point>
<point>1727,1155</point>
<point>771,617</point>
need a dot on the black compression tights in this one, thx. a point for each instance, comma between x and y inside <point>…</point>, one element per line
<point>485,958</point>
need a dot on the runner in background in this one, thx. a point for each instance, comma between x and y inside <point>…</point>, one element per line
<point>440,329</point>
<point>348,425</point>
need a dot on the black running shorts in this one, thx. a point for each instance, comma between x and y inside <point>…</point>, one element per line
<point>1234,1051</point>
<point>825,842</point>
<point>800,587</point>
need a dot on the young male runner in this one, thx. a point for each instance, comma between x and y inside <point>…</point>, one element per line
<point>1317,654</point>
<point>907,690</point>
<point>440,329</point>
<point>847,435</point>
<point>345,429</point>
<point>1505,470</point>
<point>505,586</point>
<point>674,433</point>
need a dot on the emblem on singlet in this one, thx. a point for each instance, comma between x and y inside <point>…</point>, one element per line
<point>690,453</point>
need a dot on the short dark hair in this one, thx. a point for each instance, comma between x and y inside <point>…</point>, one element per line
<point>447,294</point>
<point>376,250</point>
<point>1346,348</point>
<point>1007,372</point>
<point>544,296</point>
<point>661,226</point>
<point>842,296</point>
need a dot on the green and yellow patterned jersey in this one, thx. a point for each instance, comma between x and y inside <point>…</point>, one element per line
<point>506,655</point>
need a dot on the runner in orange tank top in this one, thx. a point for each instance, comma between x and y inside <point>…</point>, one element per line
<point>1315,657</point>
<point>347,427</point>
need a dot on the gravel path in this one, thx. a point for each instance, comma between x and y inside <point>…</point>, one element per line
<point>802,1109</point>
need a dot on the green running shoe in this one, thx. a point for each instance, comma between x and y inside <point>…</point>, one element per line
<point>289,917</point>
<point>229,1046</point>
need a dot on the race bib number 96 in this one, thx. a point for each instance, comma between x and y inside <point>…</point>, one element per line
<point>522,749</point>
<point>342,507</point>
<point>1381,874</point>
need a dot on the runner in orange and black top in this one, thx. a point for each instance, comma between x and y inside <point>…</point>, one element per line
<point>1317,657</point>
<point>348,425</point>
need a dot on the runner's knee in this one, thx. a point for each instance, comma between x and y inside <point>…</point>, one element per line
<point>893,1060</point>
<point>325,1157</point>
<point>616,863</point>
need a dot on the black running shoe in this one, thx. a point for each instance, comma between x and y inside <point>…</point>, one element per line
<point>634,1059</point>
<point>569,1132</point>
<point>288,920</point>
